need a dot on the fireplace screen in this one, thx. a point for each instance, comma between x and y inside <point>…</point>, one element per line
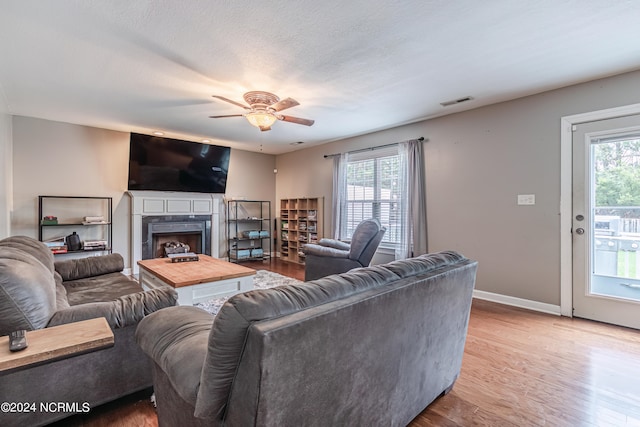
<point>175,233</point>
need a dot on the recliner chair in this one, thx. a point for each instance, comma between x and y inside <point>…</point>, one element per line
<point>332,256</point>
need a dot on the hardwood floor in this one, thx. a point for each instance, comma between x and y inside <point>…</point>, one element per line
<point>289,269</point>
<point>520,368</point>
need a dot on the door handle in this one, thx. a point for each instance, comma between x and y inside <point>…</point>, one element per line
<point>580,231</point>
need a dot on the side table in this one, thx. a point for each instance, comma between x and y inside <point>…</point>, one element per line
<point>57,342</point>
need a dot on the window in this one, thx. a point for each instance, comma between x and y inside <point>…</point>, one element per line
<point>373,180</point>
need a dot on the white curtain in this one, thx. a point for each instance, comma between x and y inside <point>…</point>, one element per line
<point>339,200</point>
<point>413,235</point>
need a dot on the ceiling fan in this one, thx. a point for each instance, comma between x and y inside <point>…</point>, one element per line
<point>263,109</point>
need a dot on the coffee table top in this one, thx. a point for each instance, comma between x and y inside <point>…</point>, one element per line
<point>206,269</point>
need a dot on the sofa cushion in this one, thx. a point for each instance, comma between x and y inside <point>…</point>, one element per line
<point>61,292</point>
<point>176,340</point>
<point>74,269</point>
<point>424,263</point>
<point>362,237</point>
<point>105,287</point>
<point>27,291</point>
<point>34,247</point>
<point>124,311</point>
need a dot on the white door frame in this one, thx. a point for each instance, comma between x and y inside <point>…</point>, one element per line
<point>566,190</point>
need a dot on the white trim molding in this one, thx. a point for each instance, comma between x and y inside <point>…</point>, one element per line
<point>566,188</point>
<point>150,203</point>
<point>518,302</point>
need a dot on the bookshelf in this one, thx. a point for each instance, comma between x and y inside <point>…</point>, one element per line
<point>301,222</point>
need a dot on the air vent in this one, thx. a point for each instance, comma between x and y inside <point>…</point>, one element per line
<point>456,101</point>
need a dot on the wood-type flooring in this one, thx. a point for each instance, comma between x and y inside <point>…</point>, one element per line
<point>520,368</point>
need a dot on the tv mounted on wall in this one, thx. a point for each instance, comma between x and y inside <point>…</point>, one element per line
<point>165,164</point>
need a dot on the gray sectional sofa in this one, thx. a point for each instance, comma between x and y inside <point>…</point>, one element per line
<point>371,347</point>
<point>36,293</point>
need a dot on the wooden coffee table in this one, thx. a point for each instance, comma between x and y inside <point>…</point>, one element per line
<point>196,281</point>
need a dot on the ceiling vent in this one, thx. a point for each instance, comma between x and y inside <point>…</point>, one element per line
<point>456,101</point>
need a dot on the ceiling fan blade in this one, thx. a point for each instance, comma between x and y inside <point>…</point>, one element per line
<point>297,120</point>
<point>228,115</point>
<point>265,128</point>
<point>284,104</point>
<point>231,102</point>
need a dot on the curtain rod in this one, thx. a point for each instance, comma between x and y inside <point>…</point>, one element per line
<point>370,148</point>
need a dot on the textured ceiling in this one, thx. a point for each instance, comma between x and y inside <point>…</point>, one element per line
<point>354,66</point>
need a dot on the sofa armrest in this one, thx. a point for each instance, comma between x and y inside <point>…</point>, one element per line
<point>176,339</point>
<point>124,311</point>
<point>333,243</point>
<point>324,251</point>
<point>74,269</point>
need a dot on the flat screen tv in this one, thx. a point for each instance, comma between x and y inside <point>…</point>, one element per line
<point>165,164</point>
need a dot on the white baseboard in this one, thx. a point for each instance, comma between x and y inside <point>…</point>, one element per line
<point>518,302</point>
<point>127,271</point>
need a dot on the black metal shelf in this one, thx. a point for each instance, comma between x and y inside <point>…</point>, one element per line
<point>74,204</point>
<point>256,216</point>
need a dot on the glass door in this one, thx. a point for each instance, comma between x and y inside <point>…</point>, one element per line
<point>606,221</point>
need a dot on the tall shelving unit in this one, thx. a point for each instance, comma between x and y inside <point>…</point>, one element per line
<point>71,213</point>
<point>248,223</point>
<point>301,222</point>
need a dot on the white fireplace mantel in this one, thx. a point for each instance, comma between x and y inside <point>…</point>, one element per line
<point>145,203</point>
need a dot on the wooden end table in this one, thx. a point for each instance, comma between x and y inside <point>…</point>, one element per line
<point>57,342</point>
<point>196,281</point>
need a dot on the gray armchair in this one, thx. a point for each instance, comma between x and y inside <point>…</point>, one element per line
<point>331,256</point>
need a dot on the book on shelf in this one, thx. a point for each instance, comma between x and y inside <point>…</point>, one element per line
<point>95,242</point>
<point>94,245</point>
<point>58,249</point>
<point>49,220</point>
<point>91,220</point>
<point>54,242</point>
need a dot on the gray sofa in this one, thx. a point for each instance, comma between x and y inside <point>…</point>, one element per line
<point>36,293</point>
<point>371,347</point>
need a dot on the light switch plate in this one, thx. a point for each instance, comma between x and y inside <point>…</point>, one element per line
<point>526,199</point>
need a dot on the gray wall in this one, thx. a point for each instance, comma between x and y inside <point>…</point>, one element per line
<point>54,158</point>
<point>477,163</point>
<point>6,169</point>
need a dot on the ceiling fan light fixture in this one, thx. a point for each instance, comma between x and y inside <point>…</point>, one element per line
<point>263,110</point>
<point>261,119</point>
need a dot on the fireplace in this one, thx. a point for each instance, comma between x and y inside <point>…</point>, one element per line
<point>158,217</point>
<point>193,230</point>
